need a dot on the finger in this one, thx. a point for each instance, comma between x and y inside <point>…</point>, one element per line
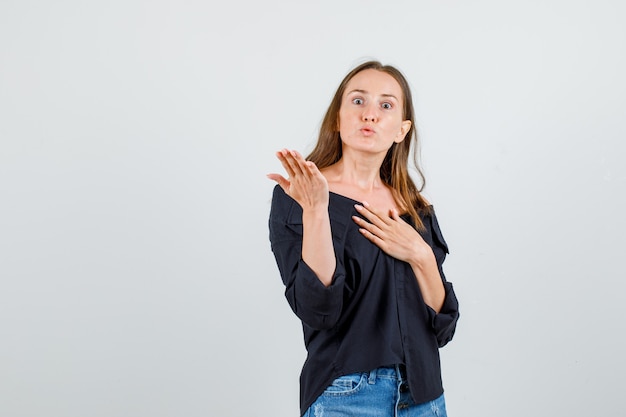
<point>374,216</point>
<point>296,167</point>
<point>302,163</point>
<point>282,181</point>
<point>312,169</point>
<point>373,238</point>
<point>367,226</point>
<point>363,211</point>
<point>297,155</point>
<point>281,155</point>
<point>396,216</point>
<point>381,215</point>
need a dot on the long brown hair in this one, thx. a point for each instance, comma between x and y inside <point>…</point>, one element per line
<point>394,170</point>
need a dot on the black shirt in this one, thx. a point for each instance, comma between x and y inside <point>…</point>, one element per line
<point>372,314</point>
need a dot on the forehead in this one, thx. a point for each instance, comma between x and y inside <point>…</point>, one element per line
<point>376,83</point>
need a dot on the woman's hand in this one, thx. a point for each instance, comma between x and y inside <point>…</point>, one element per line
<point>305,184</point>
<point>393,235</point>
<point>400,240</point>
<point>309,188</point>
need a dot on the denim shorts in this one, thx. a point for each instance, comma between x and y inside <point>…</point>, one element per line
<point>382,392</point>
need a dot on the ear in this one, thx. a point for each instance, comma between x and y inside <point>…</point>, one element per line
<point>404,129</point>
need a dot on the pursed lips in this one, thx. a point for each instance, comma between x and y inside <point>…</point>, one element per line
<point>367,130</point>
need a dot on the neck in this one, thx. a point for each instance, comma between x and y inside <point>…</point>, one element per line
<point>362,172</point>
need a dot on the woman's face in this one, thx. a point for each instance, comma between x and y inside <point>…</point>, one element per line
<point>371,113</point>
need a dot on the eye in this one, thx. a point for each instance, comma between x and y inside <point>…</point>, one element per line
<point>357,101</point>
<point>386,105</point>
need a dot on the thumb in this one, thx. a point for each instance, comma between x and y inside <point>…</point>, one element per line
<point>282,181</point>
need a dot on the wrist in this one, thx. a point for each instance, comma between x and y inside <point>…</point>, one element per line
<point>423,259</point>
<point>319,210</point>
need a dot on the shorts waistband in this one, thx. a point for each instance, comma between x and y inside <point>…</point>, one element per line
<point>395,371</point>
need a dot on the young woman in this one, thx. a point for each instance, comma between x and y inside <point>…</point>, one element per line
<point>360,253</point>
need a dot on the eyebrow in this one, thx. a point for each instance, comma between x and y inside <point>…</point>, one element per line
<point>365,92</point>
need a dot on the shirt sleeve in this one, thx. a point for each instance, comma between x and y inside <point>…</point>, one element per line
<point>318,307</point>
<point>444,322</point>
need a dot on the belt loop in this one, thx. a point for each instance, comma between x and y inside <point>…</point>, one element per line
<point>401,370</point>
<point>372,378</point>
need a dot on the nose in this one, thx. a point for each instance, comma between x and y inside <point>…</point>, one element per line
<point>370,113</point>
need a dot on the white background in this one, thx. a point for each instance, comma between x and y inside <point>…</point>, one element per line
<point>136,277</point>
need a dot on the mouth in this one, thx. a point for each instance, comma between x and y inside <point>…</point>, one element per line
<point>367,131</point>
